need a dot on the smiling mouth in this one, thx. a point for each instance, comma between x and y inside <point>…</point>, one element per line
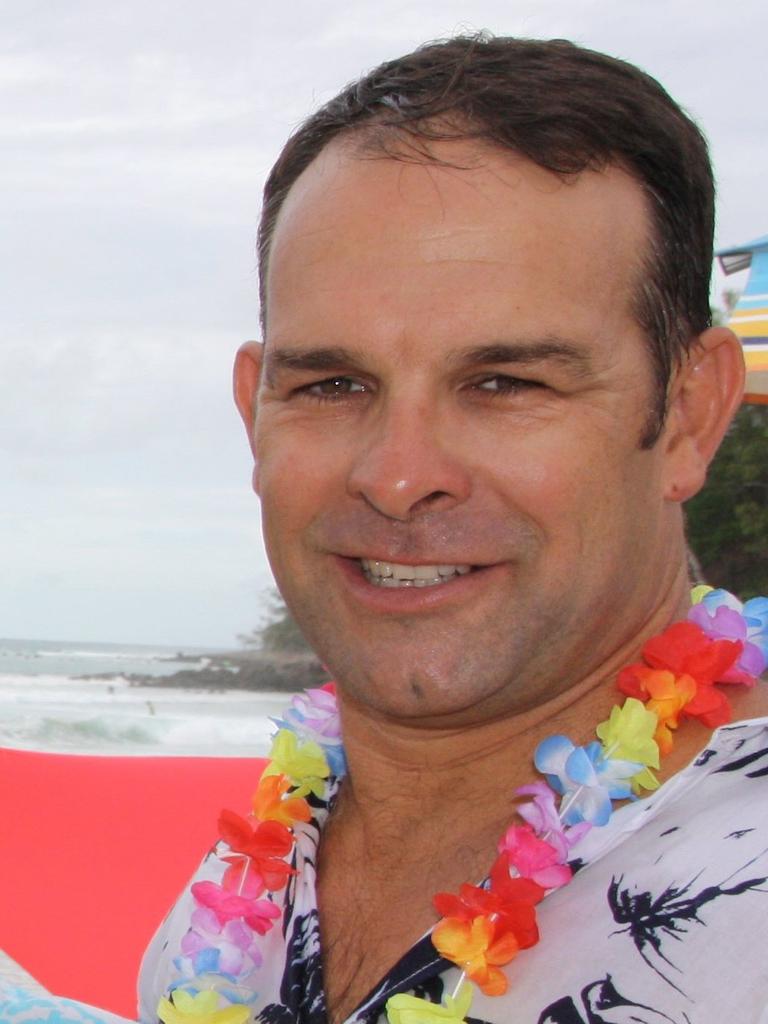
<point>397,574</point>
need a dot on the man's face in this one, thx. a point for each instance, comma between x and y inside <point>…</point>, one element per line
<point>453,380</point>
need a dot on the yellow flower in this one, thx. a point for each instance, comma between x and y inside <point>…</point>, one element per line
<point>628,734</point>
<point>403,1009</point>
<point>699,593</point>
<point>200,1009</point>
<point>304,763</point>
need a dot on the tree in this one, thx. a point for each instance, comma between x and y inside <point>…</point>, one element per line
<point>280,634</point>
<point>728,520</point>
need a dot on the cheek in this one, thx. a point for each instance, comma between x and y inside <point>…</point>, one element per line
<point>297,478</point>
<point>544,475</point>
<point>580,488</point>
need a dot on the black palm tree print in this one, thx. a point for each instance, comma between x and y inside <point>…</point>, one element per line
<point>650,919</point>
<point>602,1003</point>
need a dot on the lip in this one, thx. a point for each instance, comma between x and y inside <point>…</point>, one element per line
<point>411,600</point>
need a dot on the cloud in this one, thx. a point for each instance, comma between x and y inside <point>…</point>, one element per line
<point>136,138</point>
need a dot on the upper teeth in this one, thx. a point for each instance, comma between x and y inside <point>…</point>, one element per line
<point>396,574</point>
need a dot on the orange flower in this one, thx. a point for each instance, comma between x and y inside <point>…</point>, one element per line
<point>669,695</point>
<point>664,693</point>
<point>708,704</point>
<point>269,805</point>
<point>478,947</point>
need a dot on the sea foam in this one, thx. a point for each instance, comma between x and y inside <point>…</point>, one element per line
<point>58,713</point>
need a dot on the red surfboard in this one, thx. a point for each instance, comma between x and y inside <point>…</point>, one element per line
<point>94,851</point>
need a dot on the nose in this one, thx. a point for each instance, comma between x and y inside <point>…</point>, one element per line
<point>408,463</point>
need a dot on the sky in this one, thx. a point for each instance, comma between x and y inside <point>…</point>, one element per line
<point>134,142</point>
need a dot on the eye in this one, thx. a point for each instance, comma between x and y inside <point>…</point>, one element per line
<point>503,384</point>
<point>333,387</point>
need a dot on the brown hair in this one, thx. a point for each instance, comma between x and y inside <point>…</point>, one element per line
<point>565,108</point>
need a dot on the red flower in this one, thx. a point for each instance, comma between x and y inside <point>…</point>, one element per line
<point>510,888</point>
<point>509,903</point>
<point>472,901</point>
<point>504,895</point>
<point>710,706</point>
<point>689,654</point>
<point>483,929</point>
<point>265,846</point>
<point>685,649</point>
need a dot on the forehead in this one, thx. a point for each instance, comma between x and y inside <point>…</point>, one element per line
<point>477,238</point>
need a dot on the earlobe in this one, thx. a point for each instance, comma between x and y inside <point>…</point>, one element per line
<point>246,376</point>
<point>705,394</point>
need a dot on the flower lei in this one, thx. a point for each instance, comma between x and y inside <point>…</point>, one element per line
<point>482,928</point>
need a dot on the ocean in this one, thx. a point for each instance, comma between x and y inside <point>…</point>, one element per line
<point>47,704</point>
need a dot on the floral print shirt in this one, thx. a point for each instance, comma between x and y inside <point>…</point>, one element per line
<point>666,919</point>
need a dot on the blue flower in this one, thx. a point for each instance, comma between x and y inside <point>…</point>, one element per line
<point>755,611</point>
<point>746,622</point>
<point>206,961</point>
<point>587,780</point>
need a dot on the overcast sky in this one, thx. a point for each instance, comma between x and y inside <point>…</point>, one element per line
<point>134,139</point>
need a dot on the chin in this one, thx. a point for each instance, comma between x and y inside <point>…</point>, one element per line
<point>419,696</point>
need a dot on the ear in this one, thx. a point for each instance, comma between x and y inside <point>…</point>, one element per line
<point>705,394</point>
<point>246,376</point>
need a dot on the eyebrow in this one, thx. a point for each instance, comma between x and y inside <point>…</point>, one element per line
<point>313,360</point>
<point>527,352</point>
<point>521,353</point>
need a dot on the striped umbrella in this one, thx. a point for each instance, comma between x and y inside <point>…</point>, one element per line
<point>749,317</point>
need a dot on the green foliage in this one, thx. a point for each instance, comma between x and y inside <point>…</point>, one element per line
<point>280,635</point>
<point>728,519</point>
<point>730,297</point>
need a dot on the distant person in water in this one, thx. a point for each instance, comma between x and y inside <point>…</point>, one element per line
<point>487,385</point>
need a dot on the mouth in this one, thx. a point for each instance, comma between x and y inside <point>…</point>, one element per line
<point>398,574</point>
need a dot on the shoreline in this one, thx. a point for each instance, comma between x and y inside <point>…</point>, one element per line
<point>235,670</point>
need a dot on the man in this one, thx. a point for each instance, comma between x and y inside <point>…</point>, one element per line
<point>486,386</point>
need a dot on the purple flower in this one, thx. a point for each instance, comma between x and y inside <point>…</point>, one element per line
<point>541,814</point>
<point>587,779</point>
<point>314,715</point>
<point>210,947</point>
<point>723,617</point>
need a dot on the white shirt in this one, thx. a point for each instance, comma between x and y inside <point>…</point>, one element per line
<point>666,919</point>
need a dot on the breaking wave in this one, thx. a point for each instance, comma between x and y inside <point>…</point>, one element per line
<point>53,713</point>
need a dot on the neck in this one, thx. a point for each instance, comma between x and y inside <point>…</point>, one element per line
<point>402,771</point>
<point>424,804</point>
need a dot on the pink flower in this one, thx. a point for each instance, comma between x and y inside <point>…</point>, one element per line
<point>533,858</point>
<point>541,814</point>
<point>228,906</point>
